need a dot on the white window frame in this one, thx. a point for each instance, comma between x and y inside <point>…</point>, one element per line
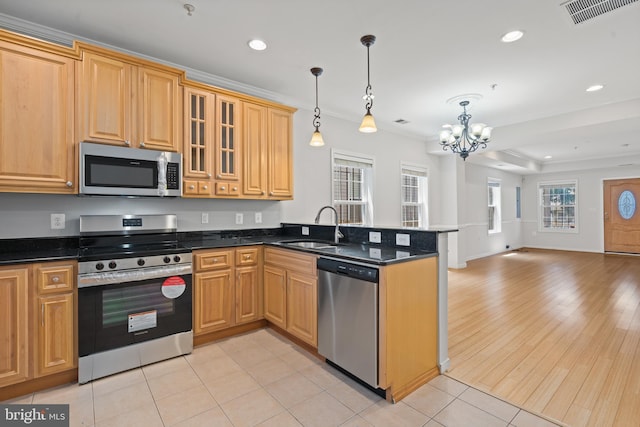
<point>367,163</point>
<point>422,193</point>
<point>541,207</point>
<point>495,204</point>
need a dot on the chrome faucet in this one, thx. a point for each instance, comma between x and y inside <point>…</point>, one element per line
<point>337,234</point>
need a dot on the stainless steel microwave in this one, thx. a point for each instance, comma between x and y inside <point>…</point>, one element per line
<point>107,170</point>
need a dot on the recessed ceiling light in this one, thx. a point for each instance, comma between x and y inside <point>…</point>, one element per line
<point>595,88</point>
<point>257,44</point>
<point>512,36</point>
<point>548,157</point>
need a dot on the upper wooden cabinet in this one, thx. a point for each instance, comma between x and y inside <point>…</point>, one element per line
<point>36,117</point>
<point>268,156</point>
<point>211,144</point>
<point>121,102</point>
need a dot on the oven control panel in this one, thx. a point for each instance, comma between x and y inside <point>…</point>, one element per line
<point>134,263</point>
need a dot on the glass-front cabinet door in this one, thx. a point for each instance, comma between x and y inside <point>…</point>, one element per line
<point>227,152</point>
<point>198,140</point>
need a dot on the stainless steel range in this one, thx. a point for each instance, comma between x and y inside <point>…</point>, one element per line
<point>134,293</point>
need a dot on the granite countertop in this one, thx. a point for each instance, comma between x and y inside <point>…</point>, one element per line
<point>15,251</point>
<point>366,253</point>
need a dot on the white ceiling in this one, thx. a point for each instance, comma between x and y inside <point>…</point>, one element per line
<point>425,53</point>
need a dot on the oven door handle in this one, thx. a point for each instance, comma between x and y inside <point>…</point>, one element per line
<point>117,277</point>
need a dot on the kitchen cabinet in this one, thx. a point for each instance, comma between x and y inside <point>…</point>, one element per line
<point>36,116</point>
<point>212,144</point>
<point>14,321</point>
<point>268,152</point>
<point>199,106</point>
<point>55,305</point>
<point>227,146</point>
<point>227,288</point>
<point>37,322</point>
<point>407,326</point>
<point>126,101</point>
<point>290,293</point>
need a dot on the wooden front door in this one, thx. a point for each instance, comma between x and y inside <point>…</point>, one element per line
<point>622,215</point>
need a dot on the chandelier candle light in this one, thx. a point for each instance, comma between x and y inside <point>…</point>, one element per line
<point>368,125</point>
<point>316,139</point>
<point>465,138</point>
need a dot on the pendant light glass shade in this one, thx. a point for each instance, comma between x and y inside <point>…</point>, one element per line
<point>316,138</point>
<point>368,124</point>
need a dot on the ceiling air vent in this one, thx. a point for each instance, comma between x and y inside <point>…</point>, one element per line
<point>401,121</point>
<point>584,10</point>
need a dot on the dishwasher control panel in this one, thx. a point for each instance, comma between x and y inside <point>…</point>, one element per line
<point>345,268</point>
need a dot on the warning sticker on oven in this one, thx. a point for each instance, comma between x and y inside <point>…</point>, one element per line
<point>144,320</point>
<point>173,287</point>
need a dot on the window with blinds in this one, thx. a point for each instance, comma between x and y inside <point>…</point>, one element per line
<point>352,188</point>
<point>494,205</point>
<point>558,207</point>
<point>413,188</point>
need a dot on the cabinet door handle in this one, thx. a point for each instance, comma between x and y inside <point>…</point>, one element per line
<point>208,175</point>
<point>191,187</point>
<point>142,144</point>
<point>235,188</point>
<point>247,257</point>
<point>222,188</point>
<point>69,184</point>
<point>271,193</point>
<point>55,279</point>
<point>204,187</point>
<point>127,143</point>
<point>262,193</point>
<point>42,314</point>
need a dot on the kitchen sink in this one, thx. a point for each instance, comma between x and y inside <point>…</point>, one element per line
<point>310,244</point>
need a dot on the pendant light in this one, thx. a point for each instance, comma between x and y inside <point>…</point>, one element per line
<point>368,124</point>
<point>316,139</point>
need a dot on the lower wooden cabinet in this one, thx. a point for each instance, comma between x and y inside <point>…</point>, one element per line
<point>14,325</point>
<point>291,292</point>
<point>37,320</point>
<point>227,288</point>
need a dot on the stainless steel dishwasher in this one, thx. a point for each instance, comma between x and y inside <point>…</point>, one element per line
<point>348,317</point>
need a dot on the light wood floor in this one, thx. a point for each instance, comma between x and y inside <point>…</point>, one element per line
<point>554,332</point>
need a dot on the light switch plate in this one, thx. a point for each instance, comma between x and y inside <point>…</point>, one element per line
<point>375,237</point>
<point>239,218</point>
<point>258,218</point>
<point>305,231</point>
<point>205,218</point>
<point>403,239</point>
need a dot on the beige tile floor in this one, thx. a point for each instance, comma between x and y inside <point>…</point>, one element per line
<point>262,379</point>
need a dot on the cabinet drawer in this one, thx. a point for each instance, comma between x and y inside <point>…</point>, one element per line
<point>246,256</point>
<point>213,260</point>
<point>227,189</point>
<point>291,260</point>
<point>54,278</point>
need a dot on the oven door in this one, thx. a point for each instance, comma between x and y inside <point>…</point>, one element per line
<point>141,308</point>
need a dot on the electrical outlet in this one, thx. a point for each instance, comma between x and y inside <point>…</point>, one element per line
<point>403,239</point>
<point>258,218</point>
<point>305,231</point>
<point>239,218</point>
<point>375,237</point>
<point>205,218</point>
<point>57,221</point>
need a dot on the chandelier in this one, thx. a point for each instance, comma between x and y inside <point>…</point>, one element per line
<point>465,138</point>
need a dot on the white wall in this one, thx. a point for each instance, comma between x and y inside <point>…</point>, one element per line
<point>312,168</point>
<point>590,234</point>
<point>28,215</point>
